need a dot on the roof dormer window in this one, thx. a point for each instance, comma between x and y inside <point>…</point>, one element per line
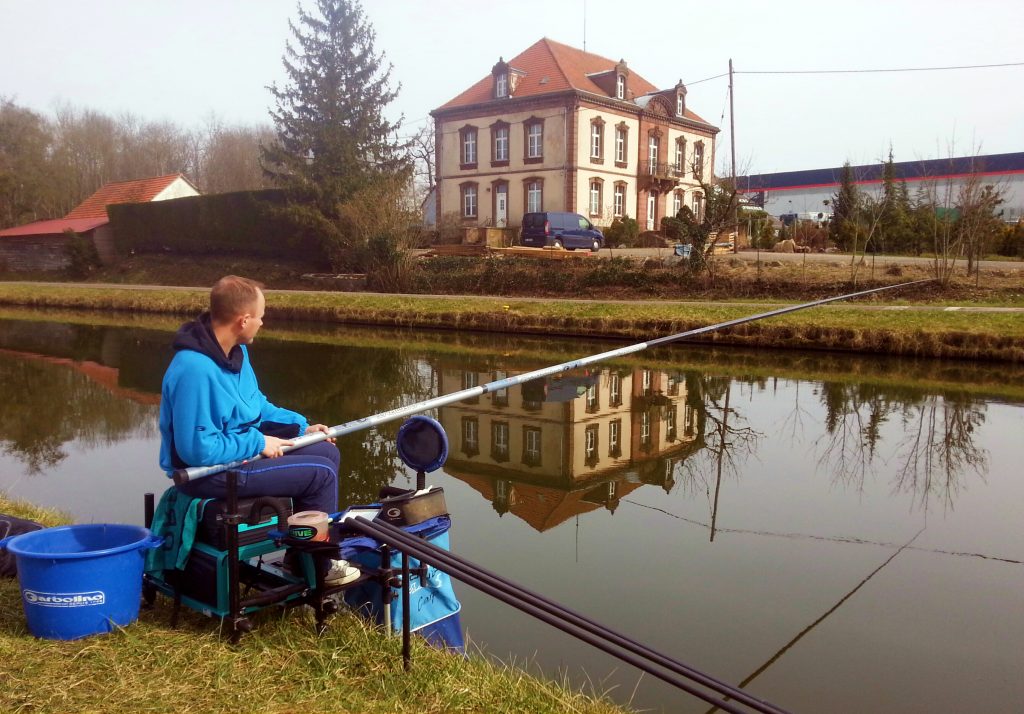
<point>620,87</point>
<point>501,85</point>
<point>680,105</point>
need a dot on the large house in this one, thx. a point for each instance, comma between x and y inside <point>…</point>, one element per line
<point>559,129</point>
<point>41,245</point>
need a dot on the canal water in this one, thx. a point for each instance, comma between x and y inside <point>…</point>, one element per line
<point>833,533</point>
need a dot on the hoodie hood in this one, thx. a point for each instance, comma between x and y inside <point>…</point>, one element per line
<point>198,336</point>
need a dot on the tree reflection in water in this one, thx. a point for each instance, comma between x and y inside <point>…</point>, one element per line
<point>937,450</point>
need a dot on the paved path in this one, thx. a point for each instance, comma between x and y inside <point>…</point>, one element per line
<point>505,298</point>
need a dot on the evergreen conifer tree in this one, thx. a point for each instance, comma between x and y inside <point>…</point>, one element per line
<point>894,222</point>
<point>845,208</point>
<point>333,140</point>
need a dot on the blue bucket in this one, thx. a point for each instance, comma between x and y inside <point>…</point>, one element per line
<point>80,580</point>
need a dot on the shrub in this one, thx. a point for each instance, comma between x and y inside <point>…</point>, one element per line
<point>622,233</point>
<point>674,229</point>
<point>650,239</point>
<point>81,254</point>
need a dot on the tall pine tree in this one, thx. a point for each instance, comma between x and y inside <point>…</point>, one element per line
<point>333,140</point>
<point>894,222</point>
<point>845,211</point>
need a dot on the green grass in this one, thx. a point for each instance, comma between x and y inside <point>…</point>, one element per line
<point>933,333</point>
<point>281,667</point>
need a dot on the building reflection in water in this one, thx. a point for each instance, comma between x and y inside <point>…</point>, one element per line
<point>554,448</point>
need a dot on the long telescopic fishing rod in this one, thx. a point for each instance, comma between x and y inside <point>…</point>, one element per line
<point>183,476</point>
<point>573,623</point>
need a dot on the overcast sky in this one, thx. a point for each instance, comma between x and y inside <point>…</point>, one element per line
<point>185,60</point>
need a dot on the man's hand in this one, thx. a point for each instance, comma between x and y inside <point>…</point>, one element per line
<point>319,427</point>
<point>273,446</point>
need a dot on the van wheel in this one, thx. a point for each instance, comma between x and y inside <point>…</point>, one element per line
<point>557,244</point>
<point>595,246</point>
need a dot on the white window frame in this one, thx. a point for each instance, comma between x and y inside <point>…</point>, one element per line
<point>531,445</point>
<point>534,197</point>
<point>596,140</point>
<point>501,85</point>
<point>471,435</point>
<point>680,155</point>
<point>698,160</point>
<point>645,428</point>
<point>620,145</point>
<point>619,202</point>
<point>677,202</point>
<point>501,143</point>
<point>615,390</point>
<point>696,206</point>
<point>590,442</point>
<point>620,87</point>
<point>499,438</point>
<point>595,198</point>
<point>469,147</point>
<point>614,428</point>
<point>679,105</point>
<point>469,204</point>
<point>535,141</point>
<point>653,148</point>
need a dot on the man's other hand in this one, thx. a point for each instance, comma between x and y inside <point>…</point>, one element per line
<point>274,446</point>
<point>319,427</point>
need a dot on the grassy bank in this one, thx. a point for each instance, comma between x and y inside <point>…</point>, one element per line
<point>933,333</point>
<point>281,666</point>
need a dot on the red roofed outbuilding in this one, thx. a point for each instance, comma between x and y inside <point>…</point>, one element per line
<point>41,245</point>
<point>559,129</point>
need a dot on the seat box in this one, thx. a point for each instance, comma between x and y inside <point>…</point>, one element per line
<point>211,528</point>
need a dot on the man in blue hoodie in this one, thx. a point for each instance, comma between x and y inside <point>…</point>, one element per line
<point>213,412</point>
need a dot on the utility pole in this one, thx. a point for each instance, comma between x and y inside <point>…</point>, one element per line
<point>735,184</point>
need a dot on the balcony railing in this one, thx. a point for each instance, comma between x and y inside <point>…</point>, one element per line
<point>660,170</point>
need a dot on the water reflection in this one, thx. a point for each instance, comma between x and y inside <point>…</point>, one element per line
<point>554,448</point>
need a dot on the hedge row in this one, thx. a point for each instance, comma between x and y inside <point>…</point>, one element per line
<point>253,223</point>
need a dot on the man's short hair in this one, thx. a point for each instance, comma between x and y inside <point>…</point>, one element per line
<point>232,296</point>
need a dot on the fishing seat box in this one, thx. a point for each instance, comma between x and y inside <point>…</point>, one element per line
<point>211,528</point>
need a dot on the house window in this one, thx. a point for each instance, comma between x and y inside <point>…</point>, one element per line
<point>689,421</point>
<point>615,438</point>
<point>499,143</point>
<point>590,441</point>
<point>698,160</point>
<point>652,153</point>
<point>595,197</point>
<point>531,446</point>
<point>534,195</point>
<point>468,136</point>
<point>615,390</point>
<point>645,382</point>
<point>593,401</point>
<point>698,206</point>
<point>501,85</point>
<point>534,140</point>
<point>469,200</point>
<point>620,199</point>
<point>677,202</point>
<point>620,145</point>
<point>499,441</point>
<point>680,156</point>
<point>620,87</point>
<point>670,423</point>
<point>500,396</point>
<point>470,436</point>
<point>679,105</point>
<point>645,428</point>
<point>596,139</point>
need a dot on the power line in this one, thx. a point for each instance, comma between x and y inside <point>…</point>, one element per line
<point>885,69</point>
<point>859,71</point>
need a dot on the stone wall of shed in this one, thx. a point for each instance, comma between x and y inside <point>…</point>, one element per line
<point>33,253</point>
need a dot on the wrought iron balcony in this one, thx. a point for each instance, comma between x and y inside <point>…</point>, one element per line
<point>660,172</point>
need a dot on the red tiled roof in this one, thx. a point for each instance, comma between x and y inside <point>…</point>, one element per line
<point>138,191</point>
<point>54,227</point>
<point>561,68</point>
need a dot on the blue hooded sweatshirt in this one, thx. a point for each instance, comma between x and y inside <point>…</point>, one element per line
<point>211,407</point>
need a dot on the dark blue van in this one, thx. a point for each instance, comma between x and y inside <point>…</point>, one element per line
<point>559,230</point>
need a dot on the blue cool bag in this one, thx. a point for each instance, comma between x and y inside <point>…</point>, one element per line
<point>434,609</point>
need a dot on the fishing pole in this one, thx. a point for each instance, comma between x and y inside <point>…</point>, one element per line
<point>183,476</point>
<point>572,623</point>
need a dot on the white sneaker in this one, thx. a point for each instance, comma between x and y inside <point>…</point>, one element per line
<point>340,572</point>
